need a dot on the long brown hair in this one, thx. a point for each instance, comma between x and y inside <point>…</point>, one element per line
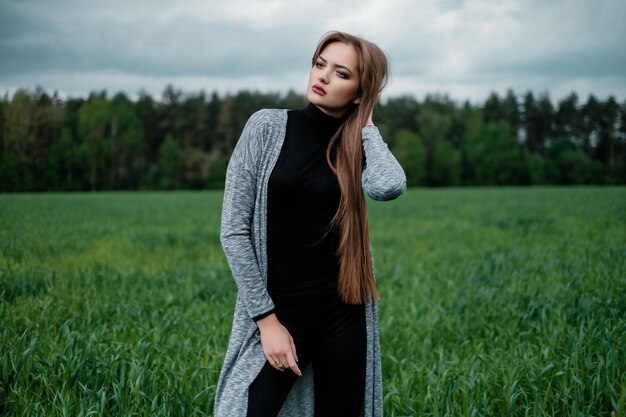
<point>356,275</point>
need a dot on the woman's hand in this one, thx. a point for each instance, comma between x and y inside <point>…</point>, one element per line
<point>278,345</point>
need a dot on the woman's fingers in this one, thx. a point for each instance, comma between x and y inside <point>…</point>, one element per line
<point>282,361</point>
<point>290,362</point>
<point>293,348</point>
<point>294,367</point>
<point>275,362</point>
<point>277,359</point>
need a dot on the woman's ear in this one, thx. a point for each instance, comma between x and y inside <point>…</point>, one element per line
<point>357,100</point>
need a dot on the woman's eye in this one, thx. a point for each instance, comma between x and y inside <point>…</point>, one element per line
<point>319,65</point>
<point>342,75</point>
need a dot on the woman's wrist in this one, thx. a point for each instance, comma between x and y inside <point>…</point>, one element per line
<point>267,321</point>
<point>262,315</point>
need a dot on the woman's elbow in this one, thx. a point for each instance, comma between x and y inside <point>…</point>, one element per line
<point>386,191</point>
<point>233,238</point>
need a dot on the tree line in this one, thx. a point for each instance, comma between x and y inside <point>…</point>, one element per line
<point>184,140</point>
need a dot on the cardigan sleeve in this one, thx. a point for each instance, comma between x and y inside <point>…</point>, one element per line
<point>382,178</point>
<point>240,191</point>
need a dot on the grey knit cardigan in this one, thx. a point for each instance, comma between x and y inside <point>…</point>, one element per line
<point>243,236</point>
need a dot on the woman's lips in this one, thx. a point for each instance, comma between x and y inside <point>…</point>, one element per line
<point>318,89</point>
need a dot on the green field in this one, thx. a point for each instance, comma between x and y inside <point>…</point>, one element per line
<point>494,302</point>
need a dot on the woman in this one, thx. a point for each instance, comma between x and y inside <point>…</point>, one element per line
<point>304,340</point>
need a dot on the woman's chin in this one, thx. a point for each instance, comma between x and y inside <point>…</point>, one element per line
<point>314,98</point>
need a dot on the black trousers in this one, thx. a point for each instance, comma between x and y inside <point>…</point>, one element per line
<point>327,333</point>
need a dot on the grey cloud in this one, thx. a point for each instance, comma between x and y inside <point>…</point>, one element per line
<point>27,41</point>
<point>582,56</point>
<point>590,63</point>
<point>557,43</point>
<point>183,46</point>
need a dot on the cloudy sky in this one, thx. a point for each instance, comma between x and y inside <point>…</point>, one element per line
<point>463,48</point>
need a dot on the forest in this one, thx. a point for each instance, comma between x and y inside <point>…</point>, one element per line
<point>184,139</point>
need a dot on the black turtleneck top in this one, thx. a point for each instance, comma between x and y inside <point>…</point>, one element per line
<point>303,197</point>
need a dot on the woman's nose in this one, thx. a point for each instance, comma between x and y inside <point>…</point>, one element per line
<point>323,76</point>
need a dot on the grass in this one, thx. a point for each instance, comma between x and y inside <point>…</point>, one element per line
<point>495,302</point>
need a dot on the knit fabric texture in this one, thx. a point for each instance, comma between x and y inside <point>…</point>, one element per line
<point>243,236</point>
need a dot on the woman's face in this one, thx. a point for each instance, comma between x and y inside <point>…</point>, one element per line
<point>334,80</point>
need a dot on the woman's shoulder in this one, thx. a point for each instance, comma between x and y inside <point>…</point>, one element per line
<point>261,128</point>
<point>268,117</point>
